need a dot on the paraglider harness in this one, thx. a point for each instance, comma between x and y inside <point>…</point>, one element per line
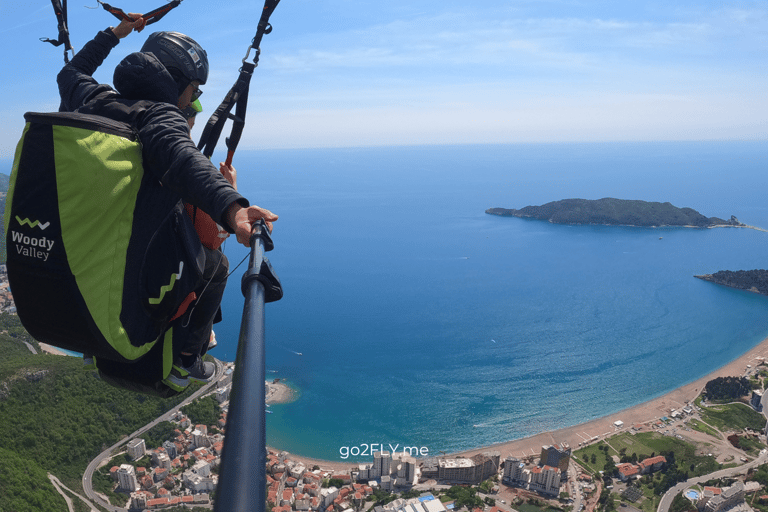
<point>76,182</point>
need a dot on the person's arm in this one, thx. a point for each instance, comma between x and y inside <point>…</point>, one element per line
<point>76,83</point>
<point>171,155</point>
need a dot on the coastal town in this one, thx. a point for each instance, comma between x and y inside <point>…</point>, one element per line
<point>183,471</point>
<point>562,474</point>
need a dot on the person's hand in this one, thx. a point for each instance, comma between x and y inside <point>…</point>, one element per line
<point>229,172</point>
<point>126,27</point>
<point>241,220</point>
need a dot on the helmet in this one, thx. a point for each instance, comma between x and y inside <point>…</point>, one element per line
<point>180,55</point>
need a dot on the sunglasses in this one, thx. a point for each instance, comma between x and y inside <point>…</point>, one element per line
<point>196,94</point>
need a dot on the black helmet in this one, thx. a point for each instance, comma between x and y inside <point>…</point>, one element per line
<point>180,55</point>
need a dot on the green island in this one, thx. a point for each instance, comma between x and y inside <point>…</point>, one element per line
<point>755,281</point>
<point>616,212</point>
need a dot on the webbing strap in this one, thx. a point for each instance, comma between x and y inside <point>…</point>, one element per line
<point>61,18</point>
<point>151,16</point>
<point>237,97</point>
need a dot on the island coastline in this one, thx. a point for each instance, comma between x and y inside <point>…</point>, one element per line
<point>610,211</point>
<point>640,416</point>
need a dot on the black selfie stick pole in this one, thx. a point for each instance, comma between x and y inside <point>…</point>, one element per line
<point>242,482</point>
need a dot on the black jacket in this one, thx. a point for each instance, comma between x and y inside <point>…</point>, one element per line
<point>146,98</point>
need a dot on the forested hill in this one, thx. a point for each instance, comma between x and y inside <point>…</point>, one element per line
<point>54,418</point>
<point>751,280</point>
<point>610,211</point>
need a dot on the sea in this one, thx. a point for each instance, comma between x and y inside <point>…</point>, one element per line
<point>410,317</point>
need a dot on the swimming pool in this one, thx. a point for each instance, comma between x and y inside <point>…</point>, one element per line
<point>692,495</point>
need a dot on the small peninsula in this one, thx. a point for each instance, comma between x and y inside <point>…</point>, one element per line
<point>616,212</point>
<point>755,281</point>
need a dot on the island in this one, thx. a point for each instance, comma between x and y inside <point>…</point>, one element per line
<point>616,212</point>
<point>755,281</point>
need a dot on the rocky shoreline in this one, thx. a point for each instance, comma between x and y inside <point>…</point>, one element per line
<point>755,281</point>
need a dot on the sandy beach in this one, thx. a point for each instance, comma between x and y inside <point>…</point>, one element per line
<point>49,349</point>
<point>279,393</point>
<point>641,414</point>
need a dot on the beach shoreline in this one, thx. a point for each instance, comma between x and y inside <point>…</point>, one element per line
<point>280,393</point>
<point>643,414</point>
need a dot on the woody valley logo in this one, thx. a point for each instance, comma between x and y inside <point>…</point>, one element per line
<point>30,246</point>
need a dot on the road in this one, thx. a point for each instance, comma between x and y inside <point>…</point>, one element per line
<point>107,454</point>
<point>666,500</point>
<point>59,486</point>
<point>762,458</point>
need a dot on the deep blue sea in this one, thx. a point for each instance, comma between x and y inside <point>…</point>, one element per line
<point>423,321</point>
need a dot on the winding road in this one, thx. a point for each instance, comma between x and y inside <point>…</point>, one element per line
<point>762,458</point>
<point>108,453</point>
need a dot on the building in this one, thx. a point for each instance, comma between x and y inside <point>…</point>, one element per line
<point>628,471</point>
<point>545,479</point>
<point>327,495</point>
<point>727,499</point>
<point>136,448</point>
<point>652,464</point>
<point>171,449</point>
<point>514,471</point>
<point>126,478</point>
<point>382,464</point>
<point>556,456</point>
<point>472,470</point>
<point>404,467</point>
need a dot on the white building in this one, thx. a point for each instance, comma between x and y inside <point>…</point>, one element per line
<point>202,468</point>
<point>198,484</point>
<point>162,460</point>
<point>363,473</point>
<point>514,471</point>
<point>382,464</point>
<point>728,498</point>
<point>222,394</point>
<point>404,466</point>
<point>327,496</point>
<point>126,478</point>
<point>545,479</point>
<point>136,448</point>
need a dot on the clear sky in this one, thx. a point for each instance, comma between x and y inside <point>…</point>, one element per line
<point>351,73</point>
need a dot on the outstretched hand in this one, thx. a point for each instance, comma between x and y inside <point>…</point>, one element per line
<point>242,219</point>
<point>126,27</point>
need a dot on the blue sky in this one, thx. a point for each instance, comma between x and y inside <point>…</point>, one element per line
<point>350,73</point>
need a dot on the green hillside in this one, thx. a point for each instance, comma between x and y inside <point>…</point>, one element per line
<point>54,418</point>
